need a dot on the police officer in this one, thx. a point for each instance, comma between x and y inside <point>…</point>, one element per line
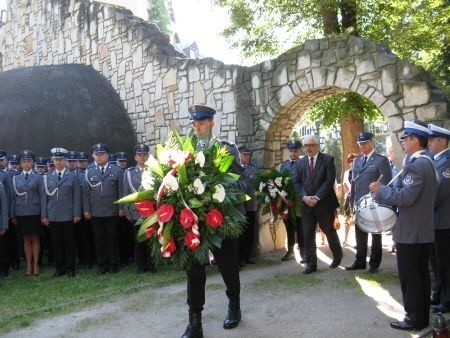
<point>367,167</point>
<point>4,217</point>
<point>438,145</point>
<point>14,162</point>
<point>131,184</point>
<point>40,165</point>
<point>28,201</point>
<point>227,257</point>
<point>247,238</point>
<point>62,212</point>
<point>122,159</point>
<point>84,234</point>
<point>112,159</point>
<point>293,226</point>
<point>71,160</point>
<point>103,186</point>
<point>414,196</point>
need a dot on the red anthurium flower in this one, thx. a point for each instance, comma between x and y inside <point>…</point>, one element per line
<point>165,213</point>
<point>285,215</point>
<point>169,248</point>
<point>187,218</point>
<point>145,208</point>
<point>192,240</point>
<point>214,218</point>
<point>150,231</point>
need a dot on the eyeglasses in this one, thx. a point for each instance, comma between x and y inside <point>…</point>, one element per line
<point>309,145</point>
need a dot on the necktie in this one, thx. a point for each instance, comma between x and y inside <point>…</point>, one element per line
<point>102,170</point>
<point>365,160</point>
<point>59,176</point>
<point>292,162</point>
<point>26,176</point>
<point>311,165</point>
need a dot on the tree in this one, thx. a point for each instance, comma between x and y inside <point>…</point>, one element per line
<point>159,15</point>
<point>417,30</point>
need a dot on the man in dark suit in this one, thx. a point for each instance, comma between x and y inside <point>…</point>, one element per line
<point>438,146</point>
<point>414,195</point>
<point>367,167</point>
<point>314,177</point>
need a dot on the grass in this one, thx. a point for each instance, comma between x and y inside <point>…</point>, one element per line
<point>29,298</point>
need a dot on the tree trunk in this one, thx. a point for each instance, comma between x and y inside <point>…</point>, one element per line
<point>330,20</point>
<point>348,14</point>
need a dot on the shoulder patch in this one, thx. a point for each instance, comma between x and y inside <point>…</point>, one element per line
<point>446,173</point>
<point>408,180</point>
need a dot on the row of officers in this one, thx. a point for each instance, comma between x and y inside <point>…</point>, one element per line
<point>71,206</point>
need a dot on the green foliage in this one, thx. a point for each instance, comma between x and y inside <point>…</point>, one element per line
<point>334,148</point>
<point>159,15</point>
<point>417,30</point>
<point>332,108</point>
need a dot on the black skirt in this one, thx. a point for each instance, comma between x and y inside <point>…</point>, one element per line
<point>29,225</point>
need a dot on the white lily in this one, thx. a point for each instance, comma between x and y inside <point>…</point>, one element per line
<point>200,159</point>
<point>267,199</point>
<point>198,186</point>
<point>170,182</point>
<point>164,156</point>
<point>152,162</point>
<point>262,185</point>
<point>148,180</point>
<point>179,157</point>
<point>219,195</point>
<point>278,181</point>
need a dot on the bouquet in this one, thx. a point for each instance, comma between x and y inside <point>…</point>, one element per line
<point>187,201</point>
<point>277,194</point>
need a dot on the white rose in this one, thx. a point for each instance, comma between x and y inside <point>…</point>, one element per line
<point>200,159</point>
<point>147,180</point>
<point>219,195</point>
<point>198,186</point>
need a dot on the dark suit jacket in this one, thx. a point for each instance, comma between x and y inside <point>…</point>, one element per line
<point>320,184</point>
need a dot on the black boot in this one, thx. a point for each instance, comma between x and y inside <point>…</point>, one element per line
<point>234,315</point>
<point>289,254</point>
<point>194,329</point>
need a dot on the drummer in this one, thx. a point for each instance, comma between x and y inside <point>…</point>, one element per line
<point>414,195</point>
<point>367,167</point>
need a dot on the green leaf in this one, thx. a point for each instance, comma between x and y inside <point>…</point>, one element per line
<point>135,197</point>
<point>194,203</point>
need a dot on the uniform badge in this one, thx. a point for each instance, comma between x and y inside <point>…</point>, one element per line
<point>408,180</point>
<point>446,173</point>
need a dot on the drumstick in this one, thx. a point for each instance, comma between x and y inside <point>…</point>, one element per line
<point>379,178</point>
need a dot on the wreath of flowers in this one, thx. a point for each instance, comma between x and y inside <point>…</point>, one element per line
<point>187,201</point>
<point>276,192</point>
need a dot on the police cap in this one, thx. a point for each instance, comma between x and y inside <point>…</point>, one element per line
<point>294,144</point>
<point>40,161</point>
<point>201,112</point>
<point>72,155</point>
<point>82,156</point>
<point>365,137</point>
<point>121,155</point>
<point>141,148</point>
<point>100,148</point>
<point>244,149</point>
<point>439,131</point>
<point>59,152</point>
<point>13,158</point>
<point>415,127</point>
<point>27,155</point>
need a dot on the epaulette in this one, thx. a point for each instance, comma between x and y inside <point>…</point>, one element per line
<point>90,166</point>
<point>228,143</point>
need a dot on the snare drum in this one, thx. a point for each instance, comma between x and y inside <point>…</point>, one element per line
<point>372,217</point>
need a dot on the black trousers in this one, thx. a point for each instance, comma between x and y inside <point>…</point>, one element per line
<point>142,252</point>
<point>294,233</point>
<point>361,248</point>
<point>4,254</point>
<point>14,243</point>
<point>63,237</point>
<point>442,240</point>
<point>125,240</point>
<point>85,242</point>
<point>247,238</point>
<point>326,224</point>
<point>412,264</point>
<point>105,236</point>
<point>227,261</point>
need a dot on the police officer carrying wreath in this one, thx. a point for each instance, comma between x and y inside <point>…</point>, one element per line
<point>227,257</point>
<point>103,186</point>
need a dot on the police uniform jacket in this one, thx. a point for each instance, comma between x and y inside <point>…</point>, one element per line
<point>249,177</point>
<point>101,191</point>
<point>4,208</point>
<point>131,183</point>
<point>442,204</point>
<point>320,183</point>
<point>288,165</point>
<point>63,197</point>
<point>362,175</point>
<point>28,196</point>
<point>414,195</point>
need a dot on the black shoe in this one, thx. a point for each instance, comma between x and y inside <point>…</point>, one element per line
<point>441,308</point>
<point>241,263</point>
<point>104,271</point>
<point>59,273</point>
<point>232,319</point>
<point>250,261</point>
<point>302,261</point>
<point>401,325</point>
<point>70,274</point>
<point>288,256</point>
<point>310,269</point>
<point>355,266</point>
<point>373,269</point>
<point>335,264</point>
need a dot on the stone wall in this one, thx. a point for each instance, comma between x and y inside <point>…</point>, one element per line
<point>257,105</point>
